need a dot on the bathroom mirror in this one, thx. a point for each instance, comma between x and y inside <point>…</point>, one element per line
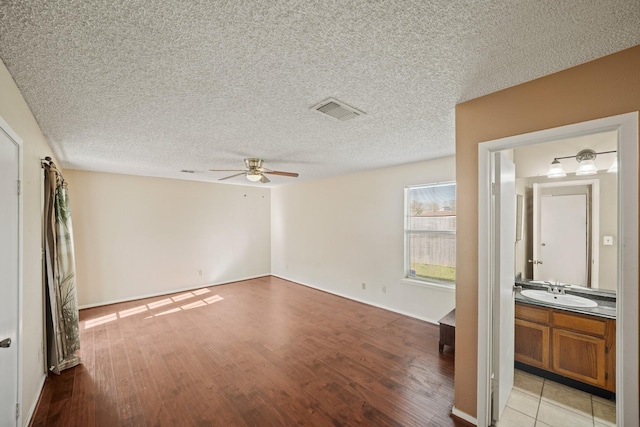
<point>569,223</point>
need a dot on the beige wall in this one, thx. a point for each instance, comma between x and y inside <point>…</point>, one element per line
<point>337,233</point>
<point>15,111</point>
<point>137,236</point>
<point>601,88</point>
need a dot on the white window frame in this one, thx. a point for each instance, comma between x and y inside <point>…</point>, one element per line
<point>414,280</point>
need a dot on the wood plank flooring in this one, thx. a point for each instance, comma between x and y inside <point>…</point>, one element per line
<point>263,352</point>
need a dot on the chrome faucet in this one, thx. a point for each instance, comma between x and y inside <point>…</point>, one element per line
<point>555,288</point>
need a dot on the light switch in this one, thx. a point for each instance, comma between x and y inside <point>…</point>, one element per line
<point>608,241</point>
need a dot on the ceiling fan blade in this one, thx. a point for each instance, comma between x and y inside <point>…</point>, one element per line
<point>231,176</point>
<point>264,179</point>
<point>226,170</point>
<point>292,174</point>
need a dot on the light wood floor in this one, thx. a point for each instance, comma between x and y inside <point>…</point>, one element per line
<point>264,352</point>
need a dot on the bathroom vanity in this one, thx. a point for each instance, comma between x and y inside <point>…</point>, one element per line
<point>569,342</point>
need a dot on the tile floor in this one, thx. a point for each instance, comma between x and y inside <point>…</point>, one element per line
<point>537,402</point>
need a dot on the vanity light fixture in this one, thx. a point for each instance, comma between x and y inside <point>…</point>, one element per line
<point>556,170</point>
<point>614,166</point>
<point>587,166</point>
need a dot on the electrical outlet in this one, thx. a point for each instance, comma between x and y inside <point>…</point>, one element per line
<point>364,285</point>
<point>384,289</point>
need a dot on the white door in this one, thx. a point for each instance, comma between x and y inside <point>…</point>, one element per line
<point>563,225</point>
<point>8,280</point>
<point>504,217</point>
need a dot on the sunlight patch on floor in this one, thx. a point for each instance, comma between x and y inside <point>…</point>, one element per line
<point>183,297</point>
<point>160,303</point>
<point>195,304</point>
<point>157,304</point>
<point>100,320</point>
<point>131,311</point>
<point>173,310</point>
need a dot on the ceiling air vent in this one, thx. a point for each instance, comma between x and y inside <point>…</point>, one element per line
<point>337,109</point>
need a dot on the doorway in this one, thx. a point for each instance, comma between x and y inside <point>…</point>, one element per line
<point>566,214</point>
<point>626,126</point>
<point>563,218</point>
<point>10,280</point>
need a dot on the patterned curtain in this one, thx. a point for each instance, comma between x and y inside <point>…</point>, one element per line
<point>63,339</point>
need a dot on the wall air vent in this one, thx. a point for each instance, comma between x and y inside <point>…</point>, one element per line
<point>337,109</point>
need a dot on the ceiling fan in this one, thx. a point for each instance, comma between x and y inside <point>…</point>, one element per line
<point>255,171</point>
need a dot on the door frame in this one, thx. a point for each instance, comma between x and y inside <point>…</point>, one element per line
<point>6,129</point>
<point>594,232</point>
<point>627,286</point>
<point>503,247</point>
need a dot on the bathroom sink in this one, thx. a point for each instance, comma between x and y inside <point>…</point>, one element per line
<point>565,300</point>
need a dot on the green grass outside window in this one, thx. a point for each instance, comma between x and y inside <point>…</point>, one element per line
<point>437,272</point>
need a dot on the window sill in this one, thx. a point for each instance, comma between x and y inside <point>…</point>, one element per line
<point>425,284</point>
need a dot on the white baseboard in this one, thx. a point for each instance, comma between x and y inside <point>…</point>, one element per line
<point>34,404</point>
<point>464,416</point>
<point>168,292</point>
<point>404,313</point>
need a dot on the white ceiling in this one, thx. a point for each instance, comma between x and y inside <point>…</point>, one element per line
<point>151,87</point>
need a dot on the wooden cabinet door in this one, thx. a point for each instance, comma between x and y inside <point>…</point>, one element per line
<point>532,344</point>
<point>579,356</point>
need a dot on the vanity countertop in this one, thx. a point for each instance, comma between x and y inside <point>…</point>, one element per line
<point>606,301</point>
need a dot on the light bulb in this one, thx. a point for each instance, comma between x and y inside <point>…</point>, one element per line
<point>587,167</point>
<point>254,177</point>
<point>614,166</point>
<point>556,170</point>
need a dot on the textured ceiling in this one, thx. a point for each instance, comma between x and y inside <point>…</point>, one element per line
<point>151,87</point>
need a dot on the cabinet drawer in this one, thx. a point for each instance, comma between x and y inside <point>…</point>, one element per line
<point>579,324</point>
<point>532,314</point>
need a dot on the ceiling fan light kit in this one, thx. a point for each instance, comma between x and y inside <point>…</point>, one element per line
<point>255,171</point>
<point>253,163</point>
<point>254,176</point>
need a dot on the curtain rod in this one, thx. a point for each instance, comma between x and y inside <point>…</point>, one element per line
<point>47,162</point>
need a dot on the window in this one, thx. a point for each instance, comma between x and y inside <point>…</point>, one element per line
<point>430,233</point>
